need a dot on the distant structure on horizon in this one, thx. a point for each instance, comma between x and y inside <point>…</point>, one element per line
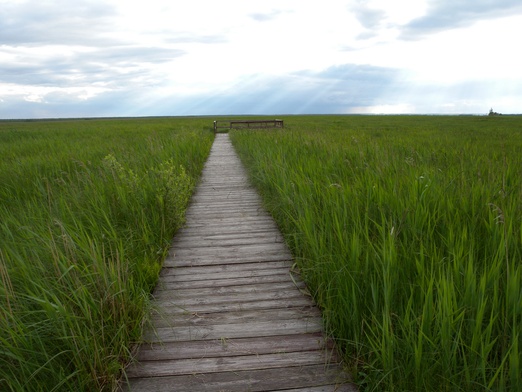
<point>492,113</point>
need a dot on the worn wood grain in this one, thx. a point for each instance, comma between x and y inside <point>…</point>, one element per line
<point>173,367</point>
<point>242,300</point>
<point>232,251</point>
<point>228,239</point>
<point>228,281</point>
<point>176,307</point>
<point>326,378</point>
<point>229,312</point>
<point>233,270</point>
<point>237,317</point>
<point>232,347</point>
<point>227,331</point>
<point>166,290</point>
<point>226,259</point>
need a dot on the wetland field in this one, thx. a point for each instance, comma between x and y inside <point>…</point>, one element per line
<point>407,230</point>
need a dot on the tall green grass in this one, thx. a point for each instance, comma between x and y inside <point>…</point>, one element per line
<point>408,231</point>
<point>87,212</point>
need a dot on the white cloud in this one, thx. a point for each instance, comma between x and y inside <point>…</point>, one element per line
<point>34,98</point>
<point>397,108</point>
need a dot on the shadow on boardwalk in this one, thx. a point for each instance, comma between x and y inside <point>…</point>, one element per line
<point>230,316</point>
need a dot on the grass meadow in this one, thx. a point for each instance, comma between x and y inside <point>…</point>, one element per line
<point>87,212</point>
<point>408,231</point>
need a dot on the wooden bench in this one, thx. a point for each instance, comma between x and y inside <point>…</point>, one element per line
<point>247,124</point>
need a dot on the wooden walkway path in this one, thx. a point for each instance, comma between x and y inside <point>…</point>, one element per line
<point>230,316</point>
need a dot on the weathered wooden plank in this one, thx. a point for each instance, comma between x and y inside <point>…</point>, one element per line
<point>223,213</point>
<point>226,192</point>
<point>211,193</point>
<point>219,229</point>
<point>267,237</point>
<point>218,213</point>
<point>224,253</point>
<point>234,317</point>
<point>233,347</point>
<point>242,301</point>
<point>230,255</point>
<point>231,198</point>
<point>166,290</point>
<point>205,189</point>
<point>240,268</point>
<point>224,250</point>
<point>202,206</point>
<point>239,330</point>
<point>227,259</point>
<point>252,380</point>
<point>241,188</point>
<point>256,233</point>
<point>171,289</point>
<point>222,222</point>
<point>175,367</point>
<point>217,272</point>
<point>173,307</point>
<point>226,220</point>
<point>240,227</point>
<point>216,283</point>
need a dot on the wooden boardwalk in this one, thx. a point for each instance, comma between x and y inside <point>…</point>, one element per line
<point>230,316</point>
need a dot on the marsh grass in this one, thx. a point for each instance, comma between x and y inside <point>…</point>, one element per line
<point>408,231</point>
<point>87,212</point>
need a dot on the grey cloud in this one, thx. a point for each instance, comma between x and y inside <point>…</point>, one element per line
<point>447,14</point>
<point>368,17</point>
<point>132,54</point>
<point>82,22</point>
<point>351,76</point>
<point>62,105</point>
<point>89,57</point>
<point>57,22</point>
<point>368,34</point>
<point>105,65</point>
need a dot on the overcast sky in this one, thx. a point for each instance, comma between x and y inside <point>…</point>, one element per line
<point>94,58</point>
